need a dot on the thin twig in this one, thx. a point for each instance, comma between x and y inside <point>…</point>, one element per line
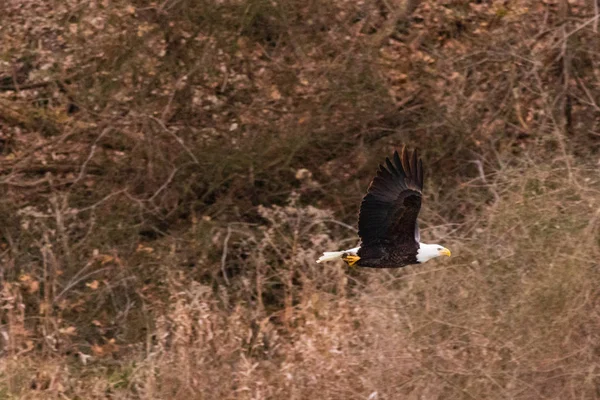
<point>484,180</point>
<point>90,156</point>
<point>75,282</point>
<point>165,184</point>
<point>34,85</point>
<point>96,204</point>
<point>340,223</point>
<point>177,138</point>
<point>224,255</point>
<point>580,27</point>
<point>596,13</point>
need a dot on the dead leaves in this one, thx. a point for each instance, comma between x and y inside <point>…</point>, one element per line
<point>106,349</point>
<point>275,94</point>
<point>93,285</point>
<point>69,331</point>
<point>31,284</point>
<point>144,249</point>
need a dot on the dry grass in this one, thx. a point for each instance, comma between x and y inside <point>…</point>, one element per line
<point>513,315</point>
<point>171,171</point>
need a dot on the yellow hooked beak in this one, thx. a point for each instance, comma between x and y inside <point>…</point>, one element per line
<point>445,252</point>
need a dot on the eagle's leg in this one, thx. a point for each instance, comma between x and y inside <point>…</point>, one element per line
<point>350,259</point>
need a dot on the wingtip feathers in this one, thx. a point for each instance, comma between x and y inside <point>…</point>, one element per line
<point>405,165</point>
<point>408,165</point>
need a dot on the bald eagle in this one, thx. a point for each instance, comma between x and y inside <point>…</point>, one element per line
<point>387,221</point>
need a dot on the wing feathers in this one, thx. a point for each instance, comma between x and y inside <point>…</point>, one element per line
<point>390,167</point>
<point>398,161</point>
<point>390,208</point>
<point>413,165</point>
<point>420,174</point>
<point>405,163</point>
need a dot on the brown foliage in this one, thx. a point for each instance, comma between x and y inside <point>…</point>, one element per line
<point>172,170</point>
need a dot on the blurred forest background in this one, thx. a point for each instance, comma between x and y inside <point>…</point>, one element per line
<point>172,169</point>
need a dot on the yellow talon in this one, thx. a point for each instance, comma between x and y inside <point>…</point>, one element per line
<point>350,259</point>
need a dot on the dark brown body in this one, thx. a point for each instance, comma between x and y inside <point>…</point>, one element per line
<point>388,256</point>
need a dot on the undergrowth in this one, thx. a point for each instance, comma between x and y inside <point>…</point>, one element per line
<point>172,170</point>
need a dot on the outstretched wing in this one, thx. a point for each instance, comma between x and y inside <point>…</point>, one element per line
<point>390,208</point>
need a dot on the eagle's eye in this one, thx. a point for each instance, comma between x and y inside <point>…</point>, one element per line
<point>439,249</point>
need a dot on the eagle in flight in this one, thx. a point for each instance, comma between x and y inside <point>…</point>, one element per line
<point>387,221</point>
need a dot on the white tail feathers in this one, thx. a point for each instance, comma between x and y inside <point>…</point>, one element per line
<point>330,255</point>
<point>334,255</point>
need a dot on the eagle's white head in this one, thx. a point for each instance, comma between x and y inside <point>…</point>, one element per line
<point>428,251</point>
